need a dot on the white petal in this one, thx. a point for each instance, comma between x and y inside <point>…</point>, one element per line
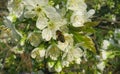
<point>90,13</point>
<point>34,52</point>
<point>42,2</point>
<point>29,2</point>
<point>46,34</point>
<point>101,66</point>
<point>74,54</point>
<point>34,38</point>
<point>62,46</point>
<point>78,52</point>
<point>29,14</point>
<point>78,24</point>
<point>77,19</point>
<point>42,53</point>
<point>36,2</point>
<point>78,61</point>
<point>52,13</point>
<point>65,63</point>
<point>15,7</point>
<point>60,22</point>
<point>76,5</point>
<point>105,44</point>
<point>53,52</point>
<point>29,7</point>
<point>41,22</point>
<point>54,34</point>
<point>38,53</point>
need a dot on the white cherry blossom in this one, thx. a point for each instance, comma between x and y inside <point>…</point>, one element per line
<point>53,52</point>
<point>15,8</point>
<point>80,14</point>
<point>38,53</point>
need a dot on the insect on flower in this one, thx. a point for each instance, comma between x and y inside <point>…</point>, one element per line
<point>60,36</point>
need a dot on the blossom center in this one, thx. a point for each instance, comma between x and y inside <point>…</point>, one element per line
<point>51,25</point>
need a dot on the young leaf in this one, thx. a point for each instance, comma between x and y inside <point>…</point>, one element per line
<point>92,24</point>
<point>85,41</point>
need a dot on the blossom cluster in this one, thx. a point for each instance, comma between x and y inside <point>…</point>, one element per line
<point>51,38</point>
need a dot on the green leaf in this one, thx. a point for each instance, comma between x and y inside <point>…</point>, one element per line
<point>85,41</point>
<point>92,24</point>
<point>88,31</point>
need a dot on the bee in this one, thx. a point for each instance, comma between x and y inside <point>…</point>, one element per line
<point>60,36</point>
